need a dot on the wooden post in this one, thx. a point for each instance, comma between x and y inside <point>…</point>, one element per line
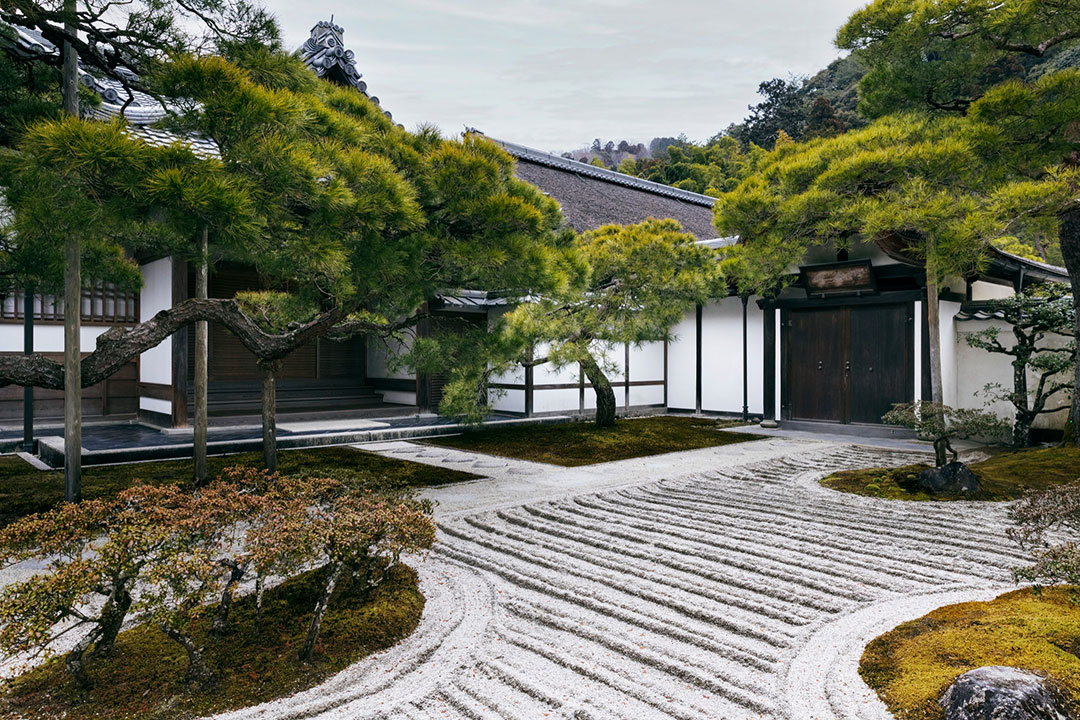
<point>269,415</point>
<point>745,365</point>
<point>28,391</point>
<point>581,389</point>
<point>697,373</point>
<point>626,377</point>
<point>769,366</point>
<point>179,347</point>
<point>423,380</point>
<point>529,394</point>
<point>201,350</point>
<point>665,375</point>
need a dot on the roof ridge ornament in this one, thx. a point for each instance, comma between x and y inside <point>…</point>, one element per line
<point>324,52</point>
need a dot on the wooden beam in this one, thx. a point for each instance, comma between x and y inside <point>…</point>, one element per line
<point>769,365</point>
<point>697,374</point>
<point>179,347</point>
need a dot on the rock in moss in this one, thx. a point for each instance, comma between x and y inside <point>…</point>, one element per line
<point>954,477</point>
<point>1002,693</point>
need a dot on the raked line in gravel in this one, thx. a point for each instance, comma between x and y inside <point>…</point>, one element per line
<point>718,583</point>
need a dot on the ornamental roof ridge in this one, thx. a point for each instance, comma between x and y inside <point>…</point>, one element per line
<point>325,54</point>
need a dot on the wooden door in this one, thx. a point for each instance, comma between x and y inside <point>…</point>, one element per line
<point>229,360</point>
<point>882,372</point>
<point>818,342</point>
<point>848,364</point>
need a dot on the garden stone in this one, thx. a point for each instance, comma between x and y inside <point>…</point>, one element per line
<point>954,477</point>
<point>1001,693</point>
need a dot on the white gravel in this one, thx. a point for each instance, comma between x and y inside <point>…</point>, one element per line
<point>718,583</point>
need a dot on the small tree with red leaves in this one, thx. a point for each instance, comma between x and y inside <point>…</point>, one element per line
<point>93,552</point>
<point>193,565</point>
<point>357,536</point>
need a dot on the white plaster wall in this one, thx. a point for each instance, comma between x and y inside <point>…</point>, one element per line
<point>949,368</point>
<point>154,405</point>
<point>562,400</point>
<point>722,358</point>
<point>508,401</point>
<point>378,355</point>
<point>647,362</point>
<point>682,364</point>
<point>982,290</point>
<point>977,368</point>
<point>47,338</point>
<point>155,365</point>
<point>398,397</point>
<point>646,394</point>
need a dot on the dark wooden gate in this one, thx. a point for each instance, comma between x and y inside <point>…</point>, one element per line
<point>848,364</point>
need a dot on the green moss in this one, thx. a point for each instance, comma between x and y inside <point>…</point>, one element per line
<point>582,443</point>
<point>1006,475</point>
<point>143,680</point>
<point>25,490</point>
<point>911,666</point>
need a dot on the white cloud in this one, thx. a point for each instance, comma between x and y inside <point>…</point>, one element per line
<point>556,73</point>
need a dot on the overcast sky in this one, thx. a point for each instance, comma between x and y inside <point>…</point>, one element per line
<point>554,74</point>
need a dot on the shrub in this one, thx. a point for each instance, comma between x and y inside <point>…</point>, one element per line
<point>182,551</point>
<point>1048,526</point>
<point>942,424</point>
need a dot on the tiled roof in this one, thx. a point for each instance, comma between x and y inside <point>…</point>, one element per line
<point>141,111</point>
<point>591,197</point>
<point>1005,262</point>
<point>472,299</point>
<point>591,171</point>
<point>975,312</point>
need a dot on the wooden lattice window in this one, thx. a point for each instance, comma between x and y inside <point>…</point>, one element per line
<point>102,303</point>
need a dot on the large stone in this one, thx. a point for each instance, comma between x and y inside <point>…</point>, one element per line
<point>1002,693</point>
<point>954,477</point>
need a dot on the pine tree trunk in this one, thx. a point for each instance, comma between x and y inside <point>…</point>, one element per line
<point>1070,249</point>
<point>933,324</point>
<point>72,370</point>
<point>70,88</point>
<point>201,350</point>
<point>605,396</point>
<point>72,302</point>
<point>320,611</point>
<point>198,673</point>
<point>269,415</point>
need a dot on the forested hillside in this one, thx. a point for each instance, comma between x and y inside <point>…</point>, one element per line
<point>838,99</point>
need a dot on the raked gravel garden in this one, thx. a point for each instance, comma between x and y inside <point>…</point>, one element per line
<point>714,583</point>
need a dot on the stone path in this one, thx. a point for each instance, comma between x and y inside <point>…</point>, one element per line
<point>718,583</point>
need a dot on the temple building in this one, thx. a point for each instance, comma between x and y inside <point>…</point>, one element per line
<point>846,339</point>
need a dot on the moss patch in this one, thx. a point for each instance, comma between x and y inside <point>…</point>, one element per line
<point>582,443</point>
<point>911,666</point>
<point>25,490</point>
<point>144,679</point>
<point>1005,476</point>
